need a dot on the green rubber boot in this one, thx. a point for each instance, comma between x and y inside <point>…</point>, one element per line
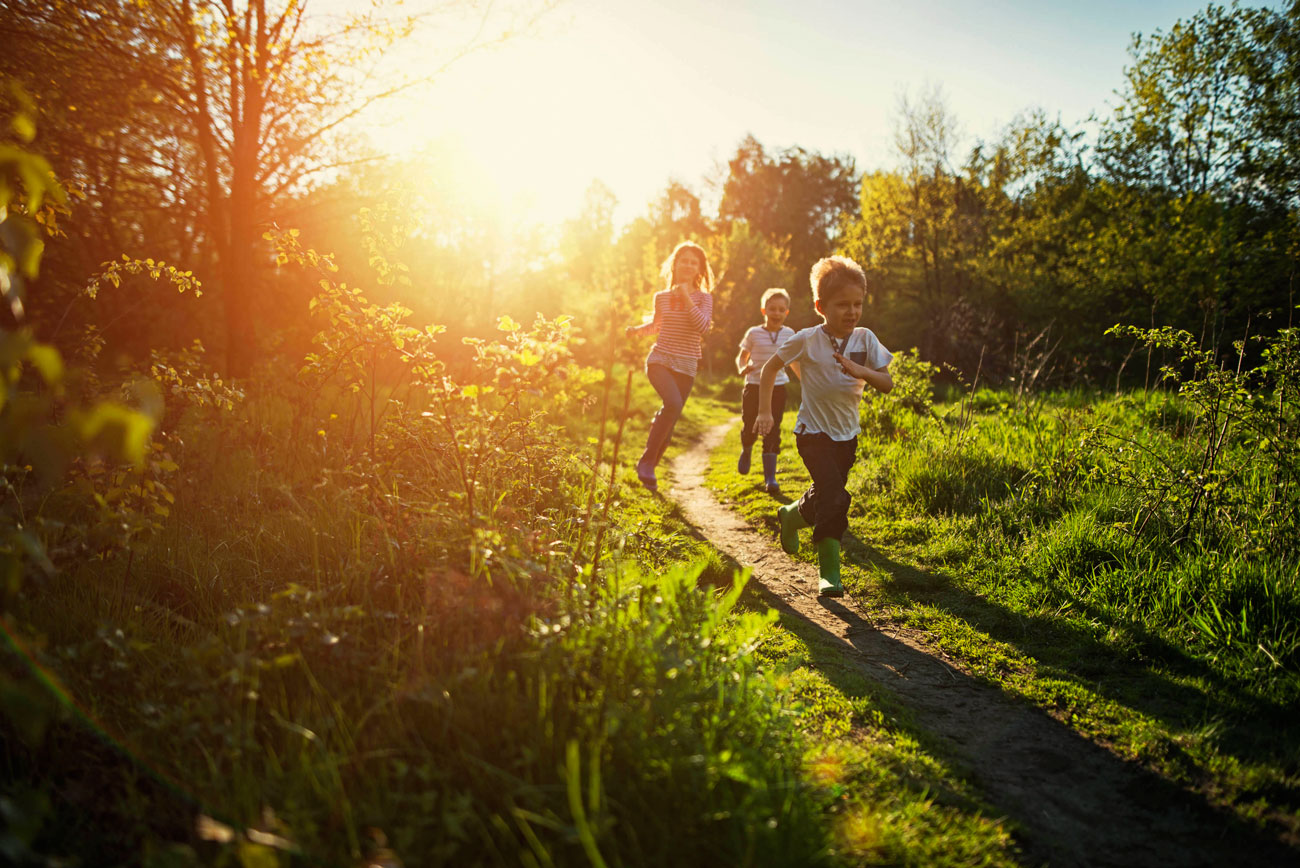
<point>828,565</point>
<point>790,522</point>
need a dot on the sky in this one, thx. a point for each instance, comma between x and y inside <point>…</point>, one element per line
<point>636,93</point>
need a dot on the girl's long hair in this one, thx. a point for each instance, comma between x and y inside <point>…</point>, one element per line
<point>703,280</point>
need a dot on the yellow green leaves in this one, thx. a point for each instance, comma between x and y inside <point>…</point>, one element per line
<point>23,127</point>
<point>113,272</point>
<point>115,430</point>
<point>186,376</point>
<point>26,182</point>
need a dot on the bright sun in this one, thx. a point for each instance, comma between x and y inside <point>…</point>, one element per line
<point>526,127</point>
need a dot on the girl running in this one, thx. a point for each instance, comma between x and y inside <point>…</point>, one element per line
<point>683,313</point>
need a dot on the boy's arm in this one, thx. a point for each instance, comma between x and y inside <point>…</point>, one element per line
<point>763,419</point>
<point>742,362</point>
<point>793,366</point>
<point>880,380</point>
<point>877,378</point>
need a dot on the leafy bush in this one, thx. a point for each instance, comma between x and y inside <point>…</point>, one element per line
<point>386,635</point>
<point>1235,476</point>
<point>1172,516</point>
<point>888,416</point>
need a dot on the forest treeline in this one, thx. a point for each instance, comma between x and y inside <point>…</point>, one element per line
<point>183,142</point>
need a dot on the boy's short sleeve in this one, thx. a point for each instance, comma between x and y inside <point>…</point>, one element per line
<point>747,342</point>
<point>878,357</point>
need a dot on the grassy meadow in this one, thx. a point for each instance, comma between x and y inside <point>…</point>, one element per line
<point>1125,561</point>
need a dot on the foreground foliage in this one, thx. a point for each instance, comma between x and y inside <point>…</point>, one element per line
<point>387,605</point>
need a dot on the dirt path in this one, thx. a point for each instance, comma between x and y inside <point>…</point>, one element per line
<point>1076,803</point>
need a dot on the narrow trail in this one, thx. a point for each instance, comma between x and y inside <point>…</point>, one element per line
<point>1075,803</point>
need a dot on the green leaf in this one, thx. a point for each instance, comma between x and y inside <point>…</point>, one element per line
<point>48,361</point>
<point>257,856</point>
<point>118,430</point>
<point>24,127</point>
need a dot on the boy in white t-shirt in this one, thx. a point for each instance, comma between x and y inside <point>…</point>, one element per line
<point>836,361</point>
<point>756,347</point>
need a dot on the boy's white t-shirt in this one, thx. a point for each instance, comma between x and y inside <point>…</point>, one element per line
<point>762,344</point>
<point>830,396</point>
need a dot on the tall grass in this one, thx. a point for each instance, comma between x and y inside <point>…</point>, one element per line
<point>1143,510</point>
<point>392,641</point>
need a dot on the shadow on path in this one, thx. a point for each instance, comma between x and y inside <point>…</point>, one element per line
<point>1076,803</point>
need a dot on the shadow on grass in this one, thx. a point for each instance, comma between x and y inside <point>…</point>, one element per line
<point>1246,727</point>
<point>1076,803</point>
<point>1153,679</point>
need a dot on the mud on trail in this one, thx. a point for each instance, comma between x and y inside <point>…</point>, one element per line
<point>1074,802</point>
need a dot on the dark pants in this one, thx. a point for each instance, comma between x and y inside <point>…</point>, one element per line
<point>825,505</point>
<point>673,388</point>
<point>749,409</point>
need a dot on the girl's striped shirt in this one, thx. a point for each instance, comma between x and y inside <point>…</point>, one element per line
<point>681,330</point>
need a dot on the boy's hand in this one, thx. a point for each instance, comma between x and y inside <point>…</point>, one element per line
<point>762,423</point>
<point>850,367</point>
<point>749,367</point>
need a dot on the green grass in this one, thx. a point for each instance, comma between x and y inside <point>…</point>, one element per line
<point>319,662</point>
<point>885,789</point>
<point>893,797</point>
<point>1014,556</point>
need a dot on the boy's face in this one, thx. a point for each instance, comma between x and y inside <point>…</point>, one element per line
<point>776,310</point>
<point>842,310</point>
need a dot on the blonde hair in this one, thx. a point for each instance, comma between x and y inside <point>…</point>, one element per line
<point>832,274</point>
<point>774,292</point>
<point>703,281</point>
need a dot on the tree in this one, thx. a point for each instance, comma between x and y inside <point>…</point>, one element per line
<point>1184,120</point>
<point>95,71</point>
<point>748,264</point>
<point>262,91</point>
<point>587,238</point>
<point>676,216</point>
<point>795,198</point>
<point>1273,73</point>
<point>1205,138</point>
<point>257,93</point>
<point>921,229</point>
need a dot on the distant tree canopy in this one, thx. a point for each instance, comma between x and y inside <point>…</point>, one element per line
<point>184,135</point>
<point>795,198</point>
<point>1182,211</point>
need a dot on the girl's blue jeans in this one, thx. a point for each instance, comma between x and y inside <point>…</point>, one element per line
<point>673,388</point>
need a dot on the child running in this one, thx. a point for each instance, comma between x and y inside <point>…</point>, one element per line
<point>682,315</point>
<point>837,360</point>
<point>756,347</point>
